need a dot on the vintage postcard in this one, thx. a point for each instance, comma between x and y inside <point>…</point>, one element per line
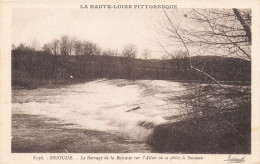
<point>129,81</point>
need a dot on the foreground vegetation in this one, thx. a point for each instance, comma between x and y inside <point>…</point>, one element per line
<point>219,123</point>
<point>224,132</point>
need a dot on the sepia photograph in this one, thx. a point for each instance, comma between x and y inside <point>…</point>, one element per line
<point>158,79</point>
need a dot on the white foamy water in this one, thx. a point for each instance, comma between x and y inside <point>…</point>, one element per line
<point>103,104</point>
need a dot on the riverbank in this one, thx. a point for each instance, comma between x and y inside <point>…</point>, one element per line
<point>23,80</point>
<point>210,129</point>
<point>36,134</point>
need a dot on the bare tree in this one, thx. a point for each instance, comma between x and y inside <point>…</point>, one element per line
<point>52,48</point>
<point>78,48</point>
<point>146,54</point>
<point>129,51</point>
<point>71,45</point>
<point>219,32</point>
<point>23,47</point>
<point>47,48</point>
<point>55,47</point>
<point>110,52</point>
<point>107,52</point>
<point>222,32</point>
<point>90,48</point>
<point>64,45</point>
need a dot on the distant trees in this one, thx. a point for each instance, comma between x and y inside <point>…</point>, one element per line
<point>64,45</point>
<point>129,53</point>
<point>47,48</point>
<point>146,54</point>
<point>55,47</point>
<point>90,48</point>
<point>108,63</point>
<point>22,47</point>
<point>45,66</point>
<point>52,48</point>
<point>70,46</point>
<point>78,48</point>
<point>110,52</point>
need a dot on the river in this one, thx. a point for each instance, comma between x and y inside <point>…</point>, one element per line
<point>103,105</point>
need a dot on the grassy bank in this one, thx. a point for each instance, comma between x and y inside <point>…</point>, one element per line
<point>36,134</point>
<point>212,125</point>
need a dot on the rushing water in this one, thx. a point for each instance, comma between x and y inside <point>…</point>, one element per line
<point>104,105</point>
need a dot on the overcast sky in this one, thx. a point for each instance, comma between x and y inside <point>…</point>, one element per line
<point>109,29</point>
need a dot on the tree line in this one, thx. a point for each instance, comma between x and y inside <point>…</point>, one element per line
<point>84,60</point>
